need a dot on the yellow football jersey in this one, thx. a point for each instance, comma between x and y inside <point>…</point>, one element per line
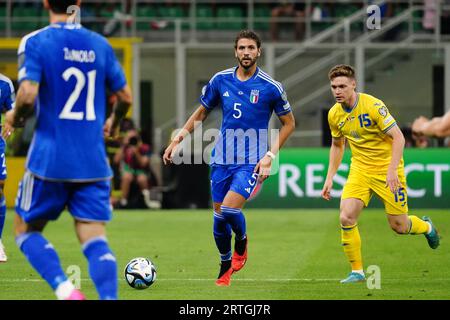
<point>365,126</point>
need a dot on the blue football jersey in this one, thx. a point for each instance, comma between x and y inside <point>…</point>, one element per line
<point>7,98</point>
<point>246,110</point>
<point>73,66</point>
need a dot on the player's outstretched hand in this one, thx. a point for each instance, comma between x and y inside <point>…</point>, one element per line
<point>326,190</point>
<point>8,129</point>
<point>109,131</point>
<point>418,124</point>
<point>263,168</point>
<point>168,154</point>
<point>392,181</point>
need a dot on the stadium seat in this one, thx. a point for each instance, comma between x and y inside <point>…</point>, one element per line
<point>417,24</point>
<point>230,18</point>
<point>145,12</point>
<point>2,18</point>
<point>205,12</point>
<point>346,10</point>
<point>262,12</point>
<point>321,25</point>
<point>171,13</point>
<point>44,21</point>
<point>30,13</point>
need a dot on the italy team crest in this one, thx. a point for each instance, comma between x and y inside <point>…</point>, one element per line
<point>254,96</point>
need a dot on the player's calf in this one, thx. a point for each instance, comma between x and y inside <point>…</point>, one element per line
<point>400,228</point>
<point>44,259</point>
<point>102,267</point>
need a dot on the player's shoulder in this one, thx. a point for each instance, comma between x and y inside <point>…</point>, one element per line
<point>51,32</point>
<point>334,110</point>
<point>370,101</point>
<point>6,82</point>
<point>223,74</point>
<point>32,39</point>
<point>271,82</point>
<point>91,37</point>
<point>95,36</point>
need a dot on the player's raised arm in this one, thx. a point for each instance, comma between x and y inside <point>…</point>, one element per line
<point>120,109</point>
<point>199,115</point>
<point>436,127</point>
<point>336,154</point>
<point>26,96</point>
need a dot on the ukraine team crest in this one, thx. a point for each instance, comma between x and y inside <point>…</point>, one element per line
<point>254,96</point>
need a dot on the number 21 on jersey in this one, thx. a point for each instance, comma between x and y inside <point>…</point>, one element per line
<point>67,112</point>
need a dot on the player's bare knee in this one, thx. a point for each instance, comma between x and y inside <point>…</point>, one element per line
<point>346,219</point>
<point>87,230</point>
<point>20,225</point>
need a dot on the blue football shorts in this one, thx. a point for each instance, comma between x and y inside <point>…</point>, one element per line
<point>42,199</point>
<point>240,179</point>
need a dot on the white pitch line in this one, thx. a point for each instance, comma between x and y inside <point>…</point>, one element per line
<point>191,279</point>
<point>240,280</point>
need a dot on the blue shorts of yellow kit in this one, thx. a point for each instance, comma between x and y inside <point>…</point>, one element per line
<point>363,186</point>
<point>42,199</point>
<point>238,178</point>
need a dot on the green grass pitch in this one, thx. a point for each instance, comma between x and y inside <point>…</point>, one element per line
<point>293,255</point>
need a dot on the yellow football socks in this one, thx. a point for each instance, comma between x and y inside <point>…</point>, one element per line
<point>418,226</point>
<point>351,242</point>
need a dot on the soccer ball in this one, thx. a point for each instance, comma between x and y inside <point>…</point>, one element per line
<point>140,273</point>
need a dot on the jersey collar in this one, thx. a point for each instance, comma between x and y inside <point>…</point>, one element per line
<point>252,77</point>
<point>348,110</point>
<point>65,25</point>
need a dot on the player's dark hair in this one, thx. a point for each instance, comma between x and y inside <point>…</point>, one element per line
<point>248,34</point>
<point>60,6</point>
<point>341,70</point>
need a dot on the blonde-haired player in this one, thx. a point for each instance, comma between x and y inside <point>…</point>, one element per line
<point>376,144</point>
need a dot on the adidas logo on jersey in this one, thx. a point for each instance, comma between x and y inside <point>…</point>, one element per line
<point>226,94</point>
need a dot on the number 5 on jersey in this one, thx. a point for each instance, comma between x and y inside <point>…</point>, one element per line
<point>239,112</point>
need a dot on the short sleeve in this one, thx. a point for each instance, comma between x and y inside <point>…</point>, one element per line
<point>115,77</point>
<point>382,117</point>
<point>281,105</point>
<point>210,94</point>
<point>335,132</point>
<point>29,60</point>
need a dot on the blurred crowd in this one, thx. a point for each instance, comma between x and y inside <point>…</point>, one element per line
<point>133,175</point>
<point>106,16</point>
